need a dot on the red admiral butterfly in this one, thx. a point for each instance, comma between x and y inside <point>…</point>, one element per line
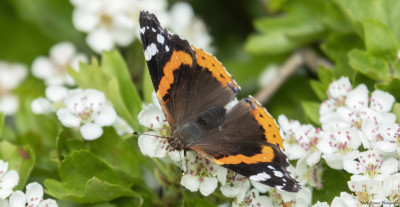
<point>193,88</point>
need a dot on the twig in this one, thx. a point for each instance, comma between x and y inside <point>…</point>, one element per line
<point>301,57</point>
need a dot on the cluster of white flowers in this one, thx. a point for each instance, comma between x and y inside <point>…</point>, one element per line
<point>87,109</point>
<point>11,75</point>
<point>111,23</point>
<point>34,191</point>
<point>358,134</point>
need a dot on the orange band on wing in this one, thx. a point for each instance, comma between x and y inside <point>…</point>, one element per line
<point>271,129</point>
<point>218,71</point>
<point>266,155</point>
<point>178,58</point>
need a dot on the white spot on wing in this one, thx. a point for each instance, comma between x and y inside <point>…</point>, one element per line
<point>271,167</point>
<point>278,174</point>
<point>154,30</point>
<point>150,51</point>
<point>166,48</point>
<point>142,30</point>
<point>260,177</point>
<point>160,39</point>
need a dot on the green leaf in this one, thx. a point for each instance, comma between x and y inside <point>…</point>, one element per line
<point>312,111</point>
<point>52,17</point>
<point>385,11</point>
<point>20,159</point>
<point>197,202</point>
<point>148,87</point>
<point>94,76</point>
<point>85,178</point>
<point>379,40</point>
<point>117,152</point>
<point>318,89</point>
<point>334,182</point>
<point>369,65</point>
<point>392,87</point>
<point>396,111</point>
<point>113,65</point>
<point>283,34</point>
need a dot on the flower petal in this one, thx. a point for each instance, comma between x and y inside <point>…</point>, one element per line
<point>100,40</point>
<point>106,117</point>
<point>67,119</point>
<point>151,117</point>
<point>339,87</point>
<point>389,166</point>
<point>381,101</point>
<point>352,167</point>
<point>9,180</point>
<point>358,97</point>
<point>190,182</point>
<point>91,131</point>
<point>62,53</point>
<point>208,185</point>
<point>41,106</point>
<point>48,203</point>
<point>42,68</point>
<point>17,199</point>
<point>34,193</point>
<point>152,146</point>
<point>94,99</point>
<point>56,93</point>
<point>9,104</point>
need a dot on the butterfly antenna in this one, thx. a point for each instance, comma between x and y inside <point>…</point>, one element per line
<point>154,135</point>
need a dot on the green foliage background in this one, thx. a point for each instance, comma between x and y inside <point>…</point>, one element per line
<point>360,38</point>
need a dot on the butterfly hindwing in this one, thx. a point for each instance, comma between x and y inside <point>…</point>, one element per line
<point>249,143</point>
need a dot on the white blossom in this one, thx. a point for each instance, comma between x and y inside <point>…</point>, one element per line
<point>236,186</point>
<point>87,109</point>
<point>54,100</point>
<point>8,180</point>
<point>111,23</point>
<point>184,22</point>
<point>371,165</point>
<point>11,75</point>
<point>54,69</point>
<point>366,191</point>
<point>253,199</point>
<point>300,140</point>
<point>33,197</point>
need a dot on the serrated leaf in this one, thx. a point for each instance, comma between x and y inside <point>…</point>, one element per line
<point>385,11</point>
<point>95,190</point>
<point>369,65</point>
<point>21,159</point>
<point>312,111</point>
<point>117,152</point>
<point>85,178</point>
<point>379,40</point>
